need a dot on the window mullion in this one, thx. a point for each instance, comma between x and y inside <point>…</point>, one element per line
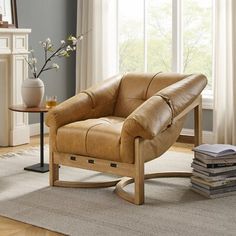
<point>145,34</point>
<point>117,38</point>
<point>177,36</point>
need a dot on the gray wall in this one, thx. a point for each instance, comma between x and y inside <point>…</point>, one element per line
<point>55,19</point>
<point>207,120</point>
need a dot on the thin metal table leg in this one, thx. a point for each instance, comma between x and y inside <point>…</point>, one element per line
<point>41,139</point>
<point>40,167</point>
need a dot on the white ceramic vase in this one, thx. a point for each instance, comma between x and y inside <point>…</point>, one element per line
<point>32,91</point>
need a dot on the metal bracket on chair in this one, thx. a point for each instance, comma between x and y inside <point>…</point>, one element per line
<point>113,165</point>
<point>90,161</point>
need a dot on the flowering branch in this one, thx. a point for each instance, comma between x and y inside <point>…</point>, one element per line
<point>48,59</point>
<point>64,50</point>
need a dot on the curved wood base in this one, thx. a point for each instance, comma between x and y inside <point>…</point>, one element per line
<point>120,183</point>
<point>125,181</point>
<point>76,184</point>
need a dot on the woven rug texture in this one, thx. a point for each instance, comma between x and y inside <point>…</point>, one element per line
<point>171,207</point>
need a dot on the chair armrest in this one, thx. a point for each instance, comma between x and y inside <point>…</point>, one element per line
<point>156,114</point>
<point>152,117</point>
<point>94,102</point>
<point>75,108</point>
<point>182,93</point>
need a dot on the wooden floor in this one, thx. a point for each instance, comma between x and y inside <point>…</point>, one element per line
<point>10,227</point>
<point>34,141</point>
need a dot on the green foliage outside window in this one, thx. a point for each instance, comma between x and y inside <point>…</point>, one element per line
<point>196,32</point>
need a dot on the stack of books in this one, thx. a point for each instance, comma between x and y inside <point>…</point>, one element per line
<point>214,170</point>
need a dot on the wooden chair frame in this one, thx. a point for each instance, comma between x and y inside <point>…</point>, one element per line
<point>134,171</point>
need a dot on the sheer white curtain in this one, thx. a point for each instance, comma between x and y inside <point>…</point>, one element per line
<point>96,55</point>
<point>225,71</point>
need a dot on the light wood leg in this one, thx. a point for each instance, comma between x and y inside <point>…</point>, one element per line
<point>198,123</point>
<point>139,175</point>
<point>132,198</point>
<point>54,170</point>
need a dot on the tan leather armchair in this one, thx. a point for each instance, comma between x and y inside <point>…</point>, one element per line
<point>123,122</point>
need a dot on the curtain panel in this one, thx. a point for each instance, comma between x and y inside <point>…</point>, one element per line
<point>96,57</point>
<point>224,72</point>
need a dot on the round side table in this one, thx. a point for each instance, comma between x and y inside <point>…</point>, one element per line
<point>40,167</point>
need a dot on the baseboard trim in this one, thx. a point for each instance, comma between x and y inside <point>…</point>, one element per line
<point>207,136</point>
<point>35,129</point>
<point>19,135</point>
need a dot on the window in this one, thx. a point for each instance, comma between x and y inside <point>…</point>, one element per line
<point>165,35</point>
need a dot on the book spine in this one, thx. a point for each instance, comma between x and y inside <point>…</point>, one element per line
<point>219,165</point>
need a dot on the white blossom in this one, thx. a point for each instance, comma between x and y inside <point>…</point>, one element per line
<point>80,37</point>
<point>56,66</point>
<point>48,41</point>
<point>62,53</point>
<point>69,48</point>
<point>34,60</point>
<point>74,40</point>
<point>47,44</point>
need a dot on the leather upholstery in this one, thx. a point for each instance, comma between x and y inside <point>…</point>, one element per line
<point>161,142</point>
<point>104,120</point>
<point>96,101</point>
<point>92,137</point>
<point>149,119</point>
<point>135,88</point>
<point>183,93</point>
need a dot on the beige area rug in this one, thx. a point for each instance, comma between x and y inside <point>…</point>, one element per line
<point>171,207</point>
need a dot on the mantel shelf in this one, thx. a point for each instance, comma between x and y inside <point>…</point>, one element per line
<point>14,30</point>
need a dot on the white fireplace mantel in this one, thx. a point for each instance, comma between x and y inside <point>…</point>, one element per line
<point>14,128</point>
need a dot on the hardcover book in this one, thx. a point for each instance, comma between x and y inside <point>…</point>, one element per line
<point>212,184</point>
<point>215,191</point>
<point>194,188</point>
<point>214,177</point>
<point>196,166</point>
<point>215,160</point>
<point>216,150</point>
<point>216,165</point>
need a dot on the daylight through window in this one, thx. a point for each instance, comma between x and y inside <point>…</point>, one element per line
<point>165,35</point>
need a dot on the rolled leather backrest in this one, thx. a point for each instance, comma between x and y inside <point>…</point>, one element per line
<point>136,88</point>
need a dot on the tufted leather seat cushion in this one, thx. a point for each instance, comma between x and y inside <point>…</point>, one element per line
<point>98,138</point>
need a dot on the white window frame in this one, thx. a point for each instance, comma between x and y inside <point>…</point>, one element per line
<point>177,44</point>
